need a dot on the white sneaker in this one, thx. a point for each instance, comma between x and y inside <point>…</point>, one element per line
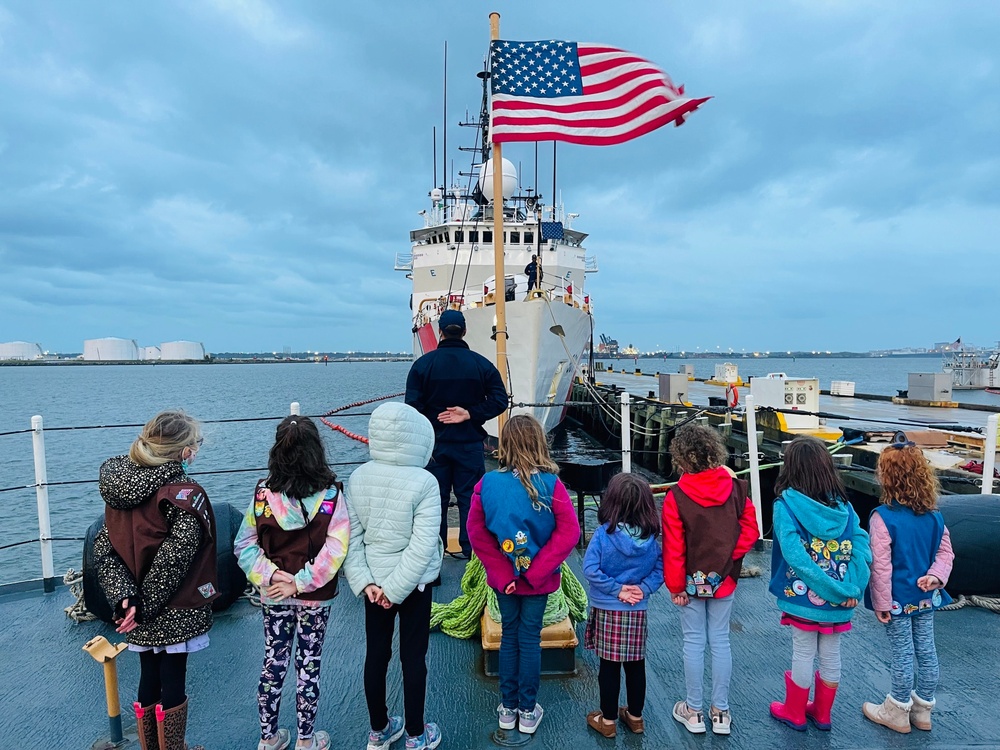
<point>721,721</point>
<point>693,721</point>
<point>529,720</point>
<point>508,716</point>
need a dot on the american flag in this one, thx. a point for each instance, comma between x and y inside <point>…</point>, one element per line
<point>590,94</point>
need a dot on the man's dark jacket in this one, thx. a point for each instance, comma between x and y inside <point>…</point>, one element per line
<point>454,375</point>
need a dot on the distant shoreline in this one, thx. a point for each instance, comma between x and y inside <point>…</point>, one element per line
<point>214,361</point>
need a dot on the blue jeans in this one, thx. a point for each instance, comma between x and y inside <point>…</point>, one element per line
<point>520,649</point>
<point>457,466</point>
<point>706,622</point>
<point>912,637</point>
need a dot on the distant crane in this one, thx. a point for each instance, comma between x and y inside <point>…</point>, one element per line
<point>608,346</point>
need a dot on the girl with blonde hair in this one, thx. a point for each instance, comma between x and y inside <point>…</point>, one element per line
<point>522,526</point>
<point>156,563</point>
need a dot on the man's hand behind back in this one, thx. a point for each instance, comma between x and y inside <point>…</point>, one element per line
<point>453,415</point>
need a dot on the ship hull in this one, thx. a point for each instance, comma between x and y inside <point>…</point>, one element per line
<point>541,363</point>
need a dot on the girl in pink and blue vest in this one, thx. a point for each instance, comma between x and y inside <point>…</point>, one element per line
<point>522,525</point>
<point>819,570</point>
<point>911,562</point>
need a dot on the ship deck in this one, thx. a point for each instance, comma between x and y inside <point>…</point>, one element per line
<point>53,694</point>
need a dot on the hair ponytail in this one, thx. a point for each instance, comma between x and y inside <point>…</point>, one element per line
<point>297,462</point>
<point>164,438</point>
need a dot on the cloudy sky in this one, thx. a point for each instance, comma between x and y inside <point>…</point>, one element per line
<point>242,172</point>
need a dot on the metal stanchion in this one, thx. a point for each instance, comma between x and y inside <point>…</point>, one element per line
<point>990,453</point>
<point>626,433</point>
<point>105,653</point>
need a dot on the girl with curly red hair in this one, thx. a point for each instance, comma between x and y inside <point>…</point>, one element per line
<point>911,562</point>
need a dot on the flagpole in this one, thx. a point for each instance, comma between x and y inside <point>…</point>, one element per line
<point>499,286</point>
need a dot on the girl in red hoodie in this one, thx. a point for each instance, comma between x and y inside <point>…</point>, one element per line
<point>709,524</point>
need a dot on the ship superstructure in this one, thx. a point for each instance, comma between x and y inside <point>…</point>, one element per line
<point>451,264</point>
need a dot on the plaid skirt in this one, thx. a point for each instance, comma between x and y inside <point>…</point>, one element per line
<point>616,635</point>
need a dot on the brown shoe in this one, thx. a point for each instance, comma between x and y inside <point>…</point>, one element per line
<point>145,721</point>
<point>635,724</point>
<point>595,720</point>
<point>171,724</point>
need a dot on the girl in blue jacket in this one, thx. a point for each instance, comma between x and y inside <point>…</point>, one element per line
<point>623,566</point>
<point>819,570</point>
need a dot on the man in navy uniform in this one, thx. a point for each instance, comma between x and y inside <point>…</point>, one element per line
<point>458,391</point>
<point>531,271</point>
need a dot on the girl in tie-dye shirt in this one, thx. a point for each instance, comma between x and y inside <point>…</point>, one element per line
<point>291,545</point>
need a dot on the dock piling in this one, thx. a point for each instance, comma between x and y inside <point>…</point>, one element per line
<point>990,453</point>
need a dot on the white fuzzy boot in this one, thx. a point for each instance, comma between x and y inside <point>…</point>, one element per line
<point>920,714</point>
<point>890,713</point>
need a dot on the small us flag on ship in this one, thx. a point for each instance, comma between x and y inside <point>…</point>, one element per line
<point>590,94</point>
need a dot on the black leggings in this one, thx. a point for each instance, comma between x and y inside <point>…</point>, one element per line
<point>161,679</point>
<point>609,680</point>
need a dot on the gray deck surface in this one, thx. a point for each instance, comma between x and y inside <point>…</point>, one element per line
<point>52,694</point>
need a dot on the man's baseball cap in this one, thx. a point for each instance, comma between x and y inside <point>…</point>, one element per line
<point>451,319</point>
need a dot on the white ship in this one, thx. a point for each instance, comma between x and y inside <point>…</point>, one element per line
<point>451,264</point>
<point>972,368</point>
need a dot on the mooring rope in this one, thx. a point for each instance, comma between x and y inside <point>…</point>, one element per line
<point>992,603</point>
<point>353,435</point>
<point>459,618</point>
<point>77,611</point>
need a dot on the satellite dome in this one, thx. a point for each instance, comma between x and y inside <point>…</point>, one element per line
<point>486,179</point>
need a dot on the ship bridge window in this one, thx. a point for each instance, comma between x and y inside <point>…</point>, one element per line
<point>473,235</point>
<point>487,236</point>
<point>529,238</point>
<point>515,238</point>
<point>459,235</point>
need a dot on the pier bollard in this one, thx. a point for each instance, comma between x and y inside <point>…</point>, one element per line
<point>510,737</point>
<point>105,653</point>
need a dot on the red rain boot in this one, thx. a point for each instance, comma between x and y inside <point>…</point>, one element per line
<point>818,709</point>
<point>793,711</point>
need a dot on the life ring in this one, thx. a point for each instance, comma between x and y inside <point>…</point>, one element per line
<point>732,396</point>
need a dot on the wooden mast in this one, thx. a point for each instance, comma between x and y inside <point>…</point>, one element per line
<point>499,286</point>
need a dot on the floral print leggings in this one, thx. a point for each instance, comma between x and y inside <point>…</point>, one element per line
<point>281,625</point>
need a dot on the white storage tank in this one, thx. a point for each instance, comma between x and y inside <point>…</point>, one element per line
<point>181,350</point>
<point>20,350</point>
<point>149,352</point>
<point>110,350</point>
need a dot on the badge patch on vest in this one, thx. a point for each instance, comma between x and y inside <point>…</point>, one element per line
<point>326,507</point>
<point>183,494</point>
<point>207,590</point>
<point>507,546</point>
<point>258,508</point>
<point>703,585</point>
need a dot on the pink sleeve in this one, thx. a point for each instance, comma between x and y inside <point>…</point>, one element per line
<point>484,544</point>
<point>880,583</point>
<point>944,559</point>
<point>564,538</point>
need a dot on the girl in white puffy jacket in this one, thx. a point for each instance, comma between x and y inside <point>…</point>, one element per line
<point>394,555</point>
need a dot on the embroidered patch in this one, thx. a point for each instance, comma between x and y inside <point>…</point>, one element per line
<point>523,562</point>
<point>896,608</point>
<point>507,546</point>
<point>183,494</point>
<point>258,508</point>
<point>267,510</point>
<point>936,598</point>
<point>326,507</point>
<point>207,590</point>
<point>520,539</point>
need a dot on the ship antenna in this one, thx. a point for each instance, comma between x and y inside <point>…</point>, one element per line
<point>444,119</point>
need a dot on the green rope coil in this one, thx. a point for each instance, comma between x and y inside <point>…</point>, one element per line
<point>459,618</point>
